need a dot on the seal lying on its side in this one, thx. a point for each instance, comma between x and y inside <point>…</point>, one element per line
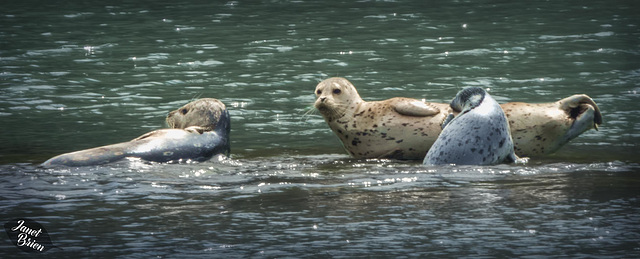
<point>478,135</point>
<point>200,130</point>
<point>405,128</point>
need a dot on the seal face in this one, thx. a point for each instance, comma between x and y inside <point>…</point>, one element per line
<point>200,130</point>
<point>206,114</point>
<point>478,135</point>
<point>379,129</point>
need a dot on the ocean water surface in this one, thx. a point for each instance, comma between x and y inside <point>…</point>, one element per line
<point>77,75</point>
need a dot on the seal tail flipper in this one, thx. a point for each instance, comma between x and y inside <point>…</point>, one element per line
<point>93,156</point>
<point>584,112</point>
<point>579,105</point>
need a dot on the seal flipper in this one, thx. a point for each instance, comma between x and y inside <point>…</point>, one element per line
<point>578,105</point>
<point>411,107</point>
<point>93,156</point>
<point>515,159</point>
<point>585,113</point>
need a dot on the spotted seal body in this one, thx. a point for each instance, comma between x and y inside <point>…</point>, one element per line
<point>199,130</point>
<point>543,128</point>
<point>478,135</point>
<point>380,129</point>
<point>370,129</point>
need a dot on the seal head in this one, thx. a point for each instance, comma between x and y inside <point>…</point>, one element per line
<point>206,114</point>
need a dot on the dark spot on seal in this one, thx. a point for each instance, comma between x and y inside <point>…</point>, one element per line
<point>399,141</point>
<point>473,150</point>
<point>501,143</point>
<point>355,141</point>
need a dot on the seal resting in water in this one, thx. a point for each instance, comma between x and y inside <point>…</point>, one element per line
<point>405,128</point>
<point>478,135</point>
<point>394,128</point>
<point>199,130</point>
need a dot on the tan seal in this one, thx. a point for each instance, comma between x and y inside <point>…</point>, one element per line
<point>405,128</point>
<point>400,128</point>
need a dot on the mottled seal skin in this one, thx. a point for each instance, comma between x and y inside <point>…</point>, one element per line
<point>478,135</point>
<point>371,129</point>
<point>381,129</point>
<point>543,128</point>
<point>200,130</point>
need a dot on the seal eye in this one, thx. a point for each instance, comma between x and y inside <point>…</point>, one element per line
<point>319,92</point>
<point>336,91</point>
<point>184,111</point>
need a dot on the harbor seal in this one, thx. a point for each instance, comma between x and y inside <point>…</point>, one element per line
<point>478,135</point>
<point>394,128</point>
<point>199,130</point>
<point>405,128</point>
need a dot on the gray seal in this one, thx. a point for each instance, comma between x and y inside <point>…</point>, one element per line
<point>478,135</point>
<point>199,130</point>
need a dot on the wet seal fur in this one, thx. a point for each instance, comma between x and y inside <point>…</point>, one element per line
<point>199,130</point>
<point>478,135</point>
<point>405,128</point>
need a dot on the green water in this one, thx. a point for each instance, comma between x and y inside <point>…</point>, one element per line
<point>80,74</point>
